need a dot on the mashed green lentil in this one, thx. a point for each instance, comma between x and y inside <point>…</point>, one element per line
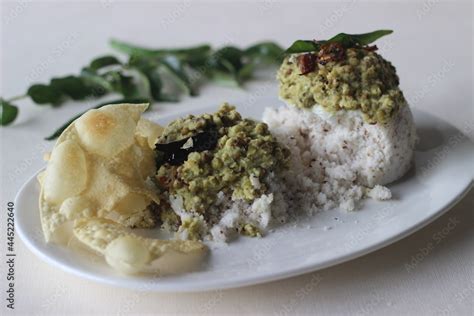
<point>244,154</point>
<point>363,81</point>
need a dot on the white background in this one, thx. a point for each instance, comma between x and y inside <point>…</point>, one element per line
<point>432,50</point>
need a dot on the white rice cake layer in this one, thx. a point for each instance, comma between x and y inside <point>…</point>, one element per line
<point>354,150</point>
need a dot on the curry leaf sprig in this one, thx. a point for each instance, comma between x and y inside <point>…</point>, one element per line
<point>148,75</point>
<point>346,40</point>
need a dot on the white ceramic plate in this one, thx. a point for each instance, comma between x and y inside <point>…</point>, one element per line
<point>443,173</point>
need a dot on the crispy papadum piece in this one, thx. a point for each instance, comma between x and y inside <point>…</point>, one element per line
<point>149,130</point>
<point>129,253</point>
<point>101,166</point>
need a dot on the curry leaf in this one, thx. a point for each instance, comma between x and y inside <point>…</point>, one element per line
<point>131,49</point>
<point>174,67</point>
<point>76,88</point>
<point>267,52</point>
<point>127,83</point>
<point>44,94</point>
<point>8,113</point>
<point>103,61</point>
<point>156,86</point>
<point>228,58</point>
<point>351,40</point>
<point>302,46</point>
<point>149,69</point>
<point>226,63</point>
<point>346,40</point>
<point>155,83</point>
<point>72,86</point>
<point>97,83</point>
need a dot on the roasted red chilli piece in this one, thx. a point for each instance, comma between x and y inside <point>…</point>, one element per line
<point>331,52</point>
<point>307,63</point>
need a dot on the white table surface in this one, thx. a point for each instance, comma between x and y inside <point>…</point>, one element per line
<point>432,50</point>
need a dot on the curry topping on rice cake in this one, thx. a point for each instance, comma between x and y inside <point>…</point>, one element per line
<point>213,162</point>
<point>341,77</point>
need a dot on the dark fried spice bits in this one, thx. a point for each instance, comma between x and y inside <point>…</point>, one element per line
<point>331,52</point>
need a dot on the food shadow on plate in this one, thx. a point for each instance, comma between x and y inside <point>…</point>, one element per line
<point>432,137</point>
